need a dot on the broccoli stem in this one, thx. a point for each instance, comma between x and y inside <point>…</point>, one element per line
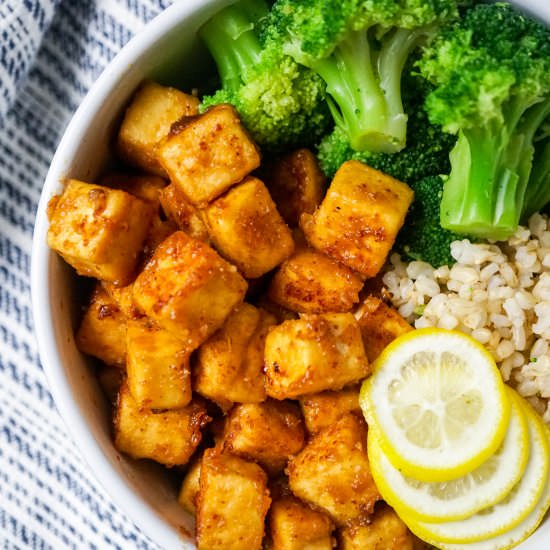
<point>538,189</point>
<point>489,185</point>
<point>231,38</point>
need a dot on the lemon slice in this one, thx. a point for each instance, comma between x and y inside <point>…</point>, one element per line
<point>509,512</point>
<point>462,497</point>
<point>515,536</point>
<point>438,402</point>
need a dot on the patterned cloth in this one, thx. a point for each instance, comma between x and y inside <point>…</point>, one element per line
<point>51,52</point>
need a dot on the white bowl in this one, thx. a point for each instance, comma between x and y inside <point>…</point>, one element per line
<point>167,49</point>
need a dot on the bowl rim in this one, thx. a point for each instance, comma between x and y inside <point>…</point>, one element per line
<point>144,517</point>
<point>117,488</point>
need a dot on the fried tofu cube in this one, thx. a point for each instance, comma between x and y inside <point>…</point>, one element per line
<point>159,231</point>
<point>229,365</point>
<point>246,228</point>
<point>98,230</point>
<point>157,366</point>
<point>295,526</point>
<point>188,289</point>
<point>190,487</point>
<point>168,437</point>
<point>332,472</point>
<point>310,282</point>
<point>313,354</point>
<point>232,503</point>
<point>209,154</point>
<point>324,409</point>
<point>380,324</point>
<point>102,331</point>
<point>178,209</point>
<point>148,121</point>
<point>268,433</point>
<point>296,184</point>
<point>385,531</point>
<point>359,218</point>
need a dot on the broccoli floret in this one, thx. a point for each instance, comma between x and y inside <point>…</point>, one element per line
<point>426,154</point>
<point>359,48</point>
<point>281,103</point>
<point>491,72</point>
<point>422,237</point>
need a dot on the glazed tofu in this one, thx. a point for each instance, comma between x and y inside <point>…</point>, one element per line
<point>380,324</point>
<point>110,379</point>
<point>98,230</point>
<point>181,212</point>
<point>157,366</point>
<point>168,437</point>
<point>209,154</point>
<point>310,282</point>
<point>229,365</point>
<point>322,410</point>
<point>190,487</point>
<point>268,433</point>
<point>147,123</point>
<point>246,228</point>
<point>332,472</point>
<point>232,503</point>
<point>295,526</point>
<point>102,331</point>
<point>359,218</point>
<point>385,531</point>
<point>123,297</point>
<point>296,184</point>
<point>188,289</point>
<point>313,354</point>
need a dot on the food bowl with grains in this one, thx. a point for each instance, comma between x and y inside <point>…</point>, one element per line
<point>291,275</point>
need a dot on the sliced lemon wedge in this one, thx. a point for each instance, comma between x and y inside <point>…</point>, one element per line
<point>462,497</point>
<point>438,403</point>
<point>519,504</point>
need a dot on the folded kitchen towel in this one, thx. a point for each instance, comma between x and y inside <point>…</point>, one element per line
<point>51,52</point>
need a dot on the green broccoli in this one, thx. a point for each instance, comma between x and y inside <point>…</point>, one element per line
<point>359,48</point>
<point>491,77</point>
<point>281,103</point>
<point>422,237</point>
<point>426,154</point>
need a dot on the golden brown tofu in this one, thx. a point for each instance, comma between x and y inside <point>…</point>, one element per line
<point>384,531</point>
<point>157,366</point>
<point>102,331</point>
<point>268,433</point>
<point>209,154</point>
<point>321,410</point>
<point>190,486</point>
<point>159,231</point>
<point>229,365</point>
<point>180,211</point>
<point>169,437</point>
<point>246,228</point>
<point>232,503</point>
<point>333,474</point>
<point>147,122</point>
<point>98,230</point>
<point>188,289</point>
<point>313,354</point>
<point>359,217</point>
<point>310,282</point>
<point>145,186</point>
<point>296,184</point>
<point>279,312</point>
<point>380,324</point>
<point>295,526</point>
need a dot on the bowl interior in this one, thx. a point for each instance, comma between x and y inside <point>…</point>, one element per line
<point>167,51</point>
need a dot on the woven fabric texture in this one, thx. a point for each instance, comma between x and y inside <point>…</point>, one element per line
<point>51,52</point>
